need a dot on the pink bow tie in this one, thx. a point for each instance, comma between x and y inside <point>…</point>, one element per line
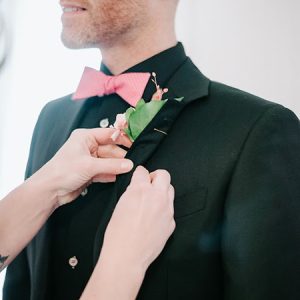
<point>129,86</point>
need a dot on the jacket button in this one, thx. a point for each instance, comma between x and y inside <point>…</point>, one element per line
<point>104,123</point>
<point>73,262</point>
<point>84,192</point>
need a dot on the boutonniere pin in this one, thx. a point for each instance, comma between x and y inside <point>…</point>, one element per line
<point>135,120</point>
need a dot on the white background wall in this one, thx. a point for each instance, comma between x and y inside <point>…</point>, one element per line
<point>250,44</point>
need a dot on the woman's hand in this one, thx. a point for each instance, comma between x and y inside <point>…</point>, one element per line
<point>89,155</point>
<point>143,219</point>
<point>140,226</point>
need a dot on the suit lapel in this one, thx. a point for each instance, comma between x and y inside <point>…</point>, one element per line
<point>187,82</point>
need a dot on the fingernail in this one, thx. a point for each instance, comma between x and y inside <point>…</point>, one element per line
<point>127,165</point>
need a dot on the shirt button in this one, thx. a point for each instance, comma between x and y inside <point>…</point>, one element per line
<point>104,123</point>
<point>84,192</point>
<point>73,262</point>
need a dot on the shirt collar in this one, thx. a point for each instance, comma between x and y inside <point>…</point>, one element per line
<point>164,64</point>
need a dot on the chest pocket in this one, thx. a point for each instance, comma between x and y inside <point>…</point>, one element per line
<point>190,202</point>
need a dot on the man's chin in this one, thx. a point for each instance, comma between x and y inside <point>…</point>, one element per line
<point>77,41</point>
<point>71,43</point>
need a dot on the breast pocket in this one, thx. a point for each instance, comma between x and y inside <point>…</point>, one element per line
<point>190,202</point>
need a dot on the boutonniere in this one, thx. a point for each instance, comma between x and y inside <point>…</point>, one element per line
<point>135,120</point>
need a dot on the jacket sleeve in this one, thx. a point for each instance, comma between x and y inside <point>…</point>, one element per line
<point>261,232</point>
<point>17,279</point>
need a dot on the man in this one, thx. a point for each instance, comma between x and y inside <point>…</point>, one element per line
<point>233,158</point>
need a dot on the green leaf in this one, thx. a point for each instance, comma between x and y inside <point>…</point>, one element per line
<point>179,99</point>
<point>143,116</point>
<point>128,132</point>
<point>128,113</point>
<point>140,104</point>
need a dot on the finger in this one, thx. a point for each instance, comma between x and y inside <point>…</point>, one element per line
<point>171,193</point>
<point>105,178</point>
<point>161,179</point>
<point>104,136</point>
<point>124,140</point>
<point>172,227</point>
<point>112,166</point>
<point>111,151</point>
<point>140,175</point>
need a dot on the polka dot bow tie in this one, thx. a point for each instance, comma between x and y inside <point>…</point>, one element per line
<point>129,86</point>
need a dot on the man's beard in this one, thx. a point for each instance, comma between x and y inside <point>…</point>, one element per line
<point>106,25</point>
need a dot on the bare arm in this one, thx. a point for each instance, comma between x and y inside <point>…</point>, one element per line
<point>141,223</point>
<point>22,214</point>
<point>88,155</point>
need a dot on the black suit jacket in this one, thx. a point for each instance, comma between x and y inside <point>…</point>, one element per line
<point>235,165</point>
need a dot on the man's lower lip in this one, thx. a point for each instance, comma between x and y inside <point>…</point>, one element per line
<point>73,13</point>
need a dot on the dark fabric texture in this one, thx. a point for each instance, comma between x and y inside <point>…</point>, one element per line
<point>235,164</point>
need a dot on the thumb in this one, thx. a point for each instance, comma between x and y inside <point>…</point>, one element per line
<point>113,166</point>
<point>140,175</point>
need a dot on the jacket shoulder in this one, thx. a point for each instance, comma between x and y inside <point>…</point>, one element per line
<point>234,97</point>
<point>242,106</point>
<point>59,104</point>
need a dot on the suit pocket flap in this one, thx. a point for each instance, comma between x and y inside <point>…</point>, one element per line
<point>190,202</point>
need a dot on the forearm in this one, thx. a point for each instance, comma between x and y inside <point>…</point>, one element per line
<point>137,232</point>
<point>22,213</point>
<point>114,279</point>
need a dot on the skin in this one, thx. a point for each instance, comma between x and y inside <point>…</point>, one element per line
<point>78,163</point>
<point>90,155</point>
<point>126,31</point>
<point>141,224</point>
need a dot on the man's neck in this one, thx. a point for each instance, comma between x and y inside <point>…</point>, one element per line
<point>128,54</point>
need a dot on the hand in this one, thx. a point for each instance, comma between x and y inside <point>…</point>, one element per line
<point>143,220</point>
<point>89,155</point>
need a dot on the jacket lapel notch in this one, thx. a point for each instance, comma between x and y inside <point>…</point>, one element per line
<point>187,82</point>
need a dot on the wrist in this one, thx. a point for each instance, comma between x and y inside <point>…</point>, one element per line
<point>122,264</point>
<point>129,256</point>
<point>126,276</point>
<point>113,278</point>
<point>43,183</point>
